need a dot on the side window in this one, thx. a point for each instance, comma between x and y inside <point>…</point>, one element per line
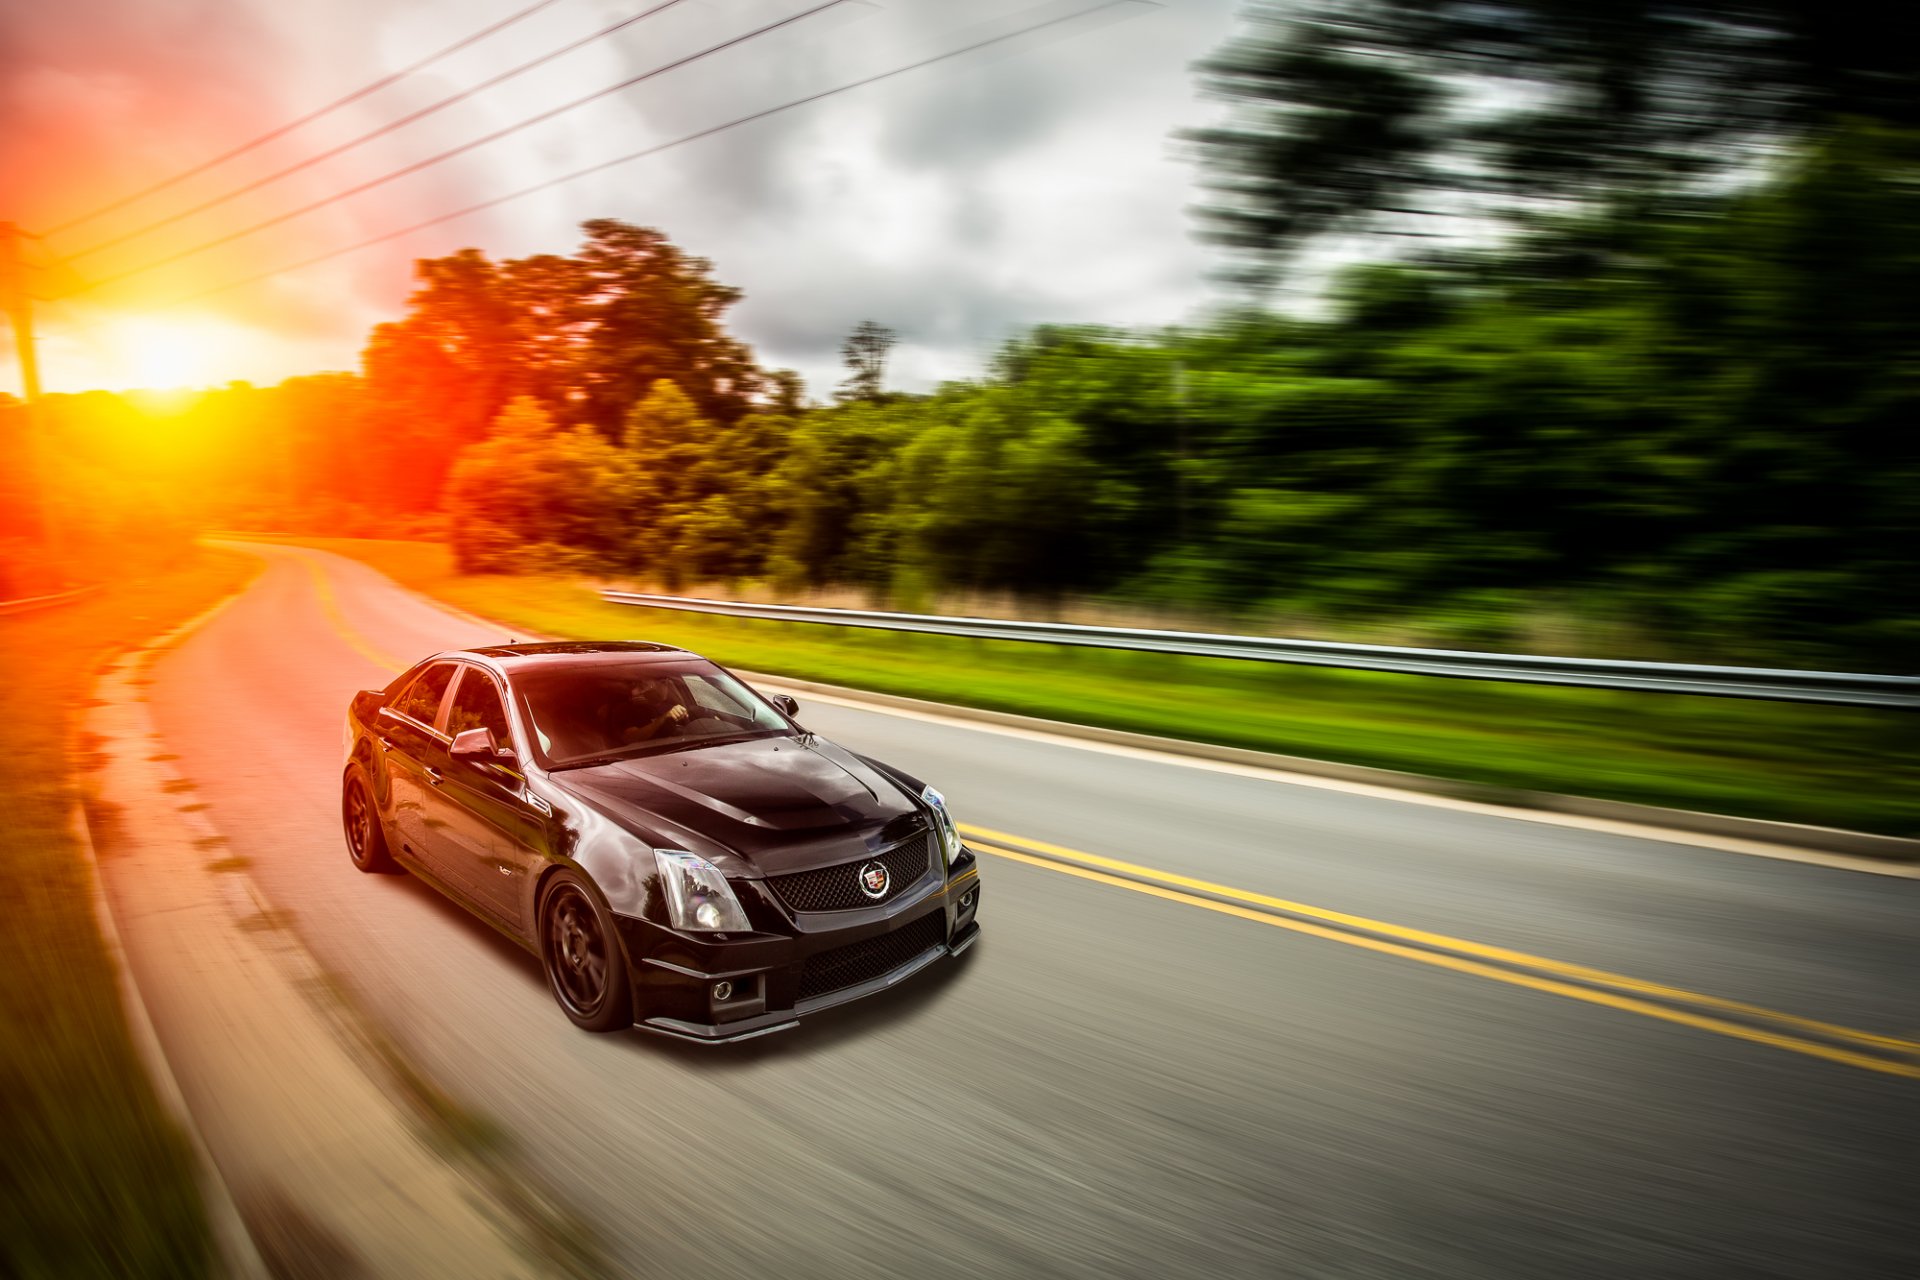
<point>421,701</point>
<point>476,705</point>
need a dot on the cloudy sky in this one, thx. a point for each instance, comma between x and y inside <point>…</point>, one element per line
<point>1032,182</point>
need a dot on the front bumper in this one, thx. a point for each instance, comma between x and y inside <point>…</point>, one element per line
<point>694,987</point>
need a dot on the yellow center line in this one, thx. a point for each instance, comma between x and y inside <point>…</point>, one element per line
<point>1170,885</point>
<point>323,588</point>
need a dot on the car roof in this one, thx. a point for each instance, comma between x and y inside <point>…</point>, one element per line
<point>587,653</point>
<point>507,660</point>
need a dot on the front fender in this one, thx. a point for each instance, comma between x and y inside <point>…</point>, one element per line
<point>620,864</point>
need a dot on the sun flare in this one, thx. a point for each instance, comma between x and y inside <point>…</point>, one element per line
<point>164,354</point>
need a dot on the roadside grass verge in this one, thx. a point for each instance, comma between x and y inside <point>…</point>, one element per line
<point>95,1180</point>
<point>1828,766</point>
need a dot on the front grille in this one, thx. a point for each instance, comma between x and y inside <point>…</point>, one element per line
<point>837,888</point>
<point>860,961</point>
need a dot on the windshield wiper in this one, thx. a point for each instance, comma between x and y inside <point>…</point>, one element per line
<point>587,762</point>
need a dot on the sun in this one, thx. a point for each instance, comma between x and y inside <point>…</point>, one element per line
<point>163,354</point>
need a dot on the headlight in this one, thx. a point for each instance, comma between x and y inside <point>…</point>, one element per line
<point>943,823</point>
<point>698,899</point>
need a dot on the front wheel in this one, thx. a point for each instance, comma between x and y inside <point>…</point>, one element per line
<point>586,968</point>
<point>366,840</point>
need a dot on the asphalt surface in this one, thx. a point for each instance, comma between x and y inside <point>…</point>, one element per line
<point>1114,1083</point>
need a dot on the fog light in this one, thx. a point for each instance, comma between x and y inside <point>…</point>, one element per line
<point>966,899</point>
<point>723,991</point>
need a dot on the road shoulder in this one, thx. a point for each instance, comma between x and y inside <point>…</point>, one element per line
<point>336,1156</point>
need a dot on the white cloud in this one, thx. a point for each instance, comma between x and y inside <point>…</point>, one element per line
<point>957,205</point>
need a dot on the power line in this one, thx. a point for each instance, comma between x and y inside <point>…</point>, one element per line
<point>484,205</point>
<point>495,136</point>
<point>311,116</point>
<point>58,263</point>
<point>216,201</point>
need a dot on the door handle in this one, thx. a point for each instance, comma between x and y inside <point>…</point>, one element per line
<point>435,776</point>
<point>386,743</point>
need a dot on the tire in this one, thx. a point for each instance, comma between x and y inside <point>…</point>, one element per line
<point>366,838</point>
<point>585,963</point>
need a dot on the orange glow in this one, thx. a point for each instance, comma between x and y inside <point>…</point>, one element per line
<point>163,354</point>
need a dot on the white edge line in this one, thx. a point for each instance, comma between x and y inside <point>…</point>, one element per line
<point>1578,822</point>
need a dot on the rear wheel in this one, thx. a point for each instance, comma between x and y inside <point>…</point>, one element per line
<point>366,840</point>
<point>586,968</point>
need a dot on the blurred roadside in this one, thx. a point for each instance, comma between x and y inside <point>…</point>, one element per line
<point>1820,765</point>
<point>95,1178</point>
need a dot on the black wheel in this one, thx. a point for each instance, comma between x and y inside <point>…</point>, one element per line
<point>366,839</point>
<point>586,967</point>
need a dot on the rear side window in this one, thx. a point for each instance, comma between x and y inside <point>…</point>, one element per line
<point>476,705</point>
<point>421,701</point>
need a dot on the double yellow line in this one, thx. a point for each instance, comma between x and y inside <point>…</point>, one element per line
<point>1848,1046</point>
<point>1854,1048</point>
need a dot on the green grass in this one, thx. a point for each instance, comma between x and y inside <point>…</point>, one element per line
<point>1830,766</point>
<point>95,1180</point>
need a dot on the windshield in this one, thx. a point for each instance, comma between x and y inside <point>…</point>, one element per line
<point>601,713</point>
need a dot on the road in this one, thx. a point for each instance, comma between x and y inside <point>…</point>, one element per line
<point>1117,1082</point>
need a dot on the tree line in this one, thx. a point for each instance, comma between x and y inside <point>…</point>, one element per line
<point>1669,398</point>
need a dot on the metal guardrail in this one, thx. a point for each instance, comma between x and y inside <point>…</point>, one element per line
<point>1771,684</point>
<point>30,603</point>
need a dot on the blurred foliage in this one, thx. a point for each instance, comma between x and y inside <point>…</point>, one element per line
<point>96,499</point>
<point>1423,116</point>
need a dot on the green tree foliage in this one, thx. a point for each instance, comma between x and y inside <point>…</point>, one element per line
<point>837,460</point>
<point>676,497</point>
<point>645,310</point>
<point>534,496</point>
<point>1351,116</point>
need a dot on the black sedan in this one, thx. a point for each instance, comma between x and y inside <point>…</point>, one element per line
<point>676,849</point>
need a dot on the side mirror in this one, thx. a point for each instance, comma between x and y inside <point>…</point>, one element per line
<point>477,746</point>
<point>786,703</point>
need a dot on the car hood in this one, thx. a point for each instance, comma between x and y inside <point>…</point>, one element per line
<point>777,804</point>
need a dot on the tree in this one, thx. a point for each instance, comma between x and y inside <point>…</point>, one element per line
<point>422,407</point>
<point>437,377</point>
<point>535,496</point>
<point>828,481</point>
<point>647,311</point>
<point>865,355</point>
<point>787,393</point>
<point>1358,116</point>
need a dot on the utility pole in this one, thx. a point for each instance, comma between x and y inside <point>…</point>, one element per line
<point>19,304</point>
<point>19,307</point>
